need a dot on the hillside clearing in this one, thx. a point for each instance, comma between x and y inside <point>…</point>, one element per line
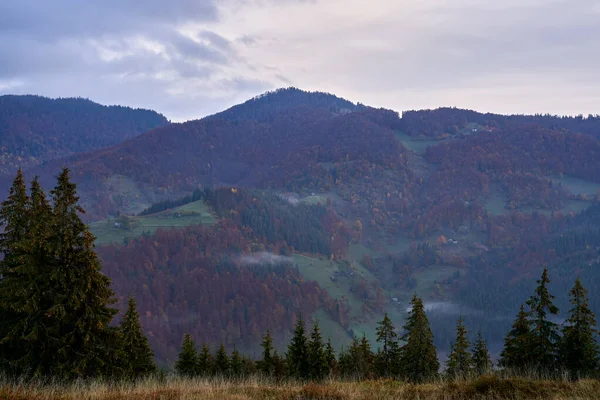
<point>195,213</point>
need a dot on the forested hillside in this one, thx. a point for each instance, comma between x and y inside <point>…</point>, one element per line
<point>35,129</point>
<point>304,203</point>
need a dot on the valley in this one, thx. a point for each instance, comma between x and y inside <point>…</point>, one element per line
<point>349,210</point>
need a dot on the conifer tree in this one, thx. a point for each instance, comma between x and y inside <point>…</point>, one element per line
<point>16,274</point>
<point>186,364</point>
<point>544,333</point>
<point>317,358</point>
<point>266,364</point>
<point>482,362</point>
<point>138,356</point>
<point>516,354</point>
<point>388,356</point>
<point>297,355</point>
<point>279,366</point>
<point>222,361</point>
<point>330,356</point>
<point>419,357</point>
<point>459,360</point>
<point>59,299</point>
<point>579,350</point>
<point>20,271</point>
<point>236,364</point>
<point>206,363</point>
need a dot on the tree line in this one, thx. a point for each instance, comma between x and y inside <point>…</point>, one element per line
<point>533,345</point>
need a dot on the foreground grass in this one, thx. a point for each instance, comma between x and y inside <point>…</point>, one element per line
<point>487,387</point>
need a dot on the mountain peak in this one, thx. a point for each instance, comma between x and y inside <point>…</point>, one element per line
<point>265,106</point>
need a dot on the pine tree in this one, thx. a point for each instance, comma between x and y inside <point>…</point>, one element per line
<point>516,354</point>
<point>266,364</point>
<point>222,362</point>
<point>482,362</point>
<point>459,360</point>
<point>138,357</point>
<point>544,334</point>
<point>206,363</point>
<point>419,357</point>
<point>186,364</point>
<point>236,364</point>
<point>317,358</point>
<point>297,355</point>
<point>388,356</point>
<point>579,350</point>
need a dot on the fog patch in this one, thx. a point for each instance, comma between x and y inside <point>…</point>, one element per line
<point>264,258</point>
<point>291,198</point>
<point>446,307</point>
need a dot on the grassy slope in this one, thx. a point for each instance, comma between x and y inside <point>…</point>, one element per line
<point>106,232</point>
<point>486,387</point>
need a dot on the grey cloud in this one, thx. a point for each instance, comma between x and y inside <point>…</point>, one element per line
<point>51,20</point>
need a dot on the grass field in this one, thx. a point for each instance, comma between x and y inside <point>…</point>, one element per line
<point>487,387</point>
<point>578,186</point>
<point>127,189</point>
<point>196,213</point>
<point>417,145</point>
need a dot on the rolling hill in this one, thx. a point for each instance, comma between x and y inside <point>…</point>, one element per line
<point>35,129</point>
<point>308,203</point>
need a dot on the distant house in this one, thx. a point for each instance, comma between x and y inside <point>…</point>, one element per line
<point>117,224</point>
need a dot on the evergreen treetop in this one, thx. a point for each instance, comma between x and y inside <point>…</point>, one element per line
<point>482,362</point>
<point>579,350</point>
<point>186,364</point>
<point>297,354</point>
<point>138,356</point>
<point>516,354</point>
<point>459,360</point>
<point>419,356</point>
<point>544,333</point>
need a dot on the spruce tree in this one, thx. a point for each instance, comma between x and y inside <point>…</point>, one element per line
<point>516,354</point>
<point>388,356</point>
<point>15,316</point>
<point>317,358</point>
<point>544,333</point>
<point>279,366</point>
<point>222,361</point>
<point>186,364</point>
<point>579,350</point>
<point>297,355</point>
<point>54,292</point>
<point>206,363</point>
<point>419,357</point>
<point>266,364</point>
<point>138,356</point>
<point>459,360</point>
<point>330,356</point>
<point>236,364</point>
<point>482,362</point>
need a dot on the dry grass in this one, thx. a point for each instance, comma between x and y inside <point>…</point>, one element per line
<point>487,387</point>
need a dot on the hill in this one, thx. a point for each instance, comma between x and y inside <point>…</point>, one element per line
<point>338,211</point>
<point>35,129</point>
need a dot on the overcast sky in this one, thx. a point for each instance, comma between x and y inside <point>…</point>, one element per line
<point>190,58</point>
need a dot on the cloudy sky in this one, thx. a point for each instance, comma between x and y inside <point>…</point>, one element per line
<point>190,58</point>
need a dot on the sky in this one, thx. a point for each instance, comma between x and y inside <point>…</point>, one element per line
<point>191,58</point>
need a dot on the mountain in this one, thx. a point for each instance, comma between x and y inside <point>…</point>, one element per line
<point>306,131</point>
<point>35,129</point>
<point>304,203</point>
